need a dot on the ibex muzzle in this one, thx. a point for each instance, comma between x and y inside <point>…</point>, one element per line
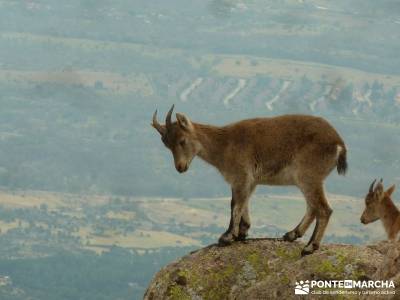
<point>295,150</point>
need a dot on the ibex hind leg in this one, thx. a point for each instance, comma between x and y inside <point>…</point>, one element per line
<point>316,196</point>
<point>309,179</point>
<point>302,227</point>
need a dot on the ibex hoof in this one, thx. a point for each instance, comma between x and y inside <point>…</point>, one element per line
<point>290,236</point>
<point>241,237</point>
<point>226,239</point>
<point>309,249</point>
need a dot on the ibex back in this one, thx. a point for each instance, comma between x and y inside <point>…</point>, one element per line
<point>295,150</point>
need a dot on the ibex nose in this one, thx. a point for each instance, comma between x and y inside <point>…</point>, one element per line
<point>362,220</point>
<point>181,167</point>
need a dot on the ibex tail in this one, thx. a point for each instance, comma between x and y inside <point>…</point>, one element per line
<point>342,160</point>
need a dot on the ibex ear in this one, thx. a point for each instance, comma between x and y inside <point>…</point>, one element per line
<point>184,122</point>
<point>390,190</point>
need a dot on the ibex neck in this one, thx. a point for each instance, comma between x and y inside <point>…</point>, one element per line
<point>213,141</point>
<point>389,215</point>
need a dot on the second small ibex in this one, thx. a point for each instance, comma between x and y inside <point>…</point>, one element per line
<point>379,205</point>
<point>294,150</point>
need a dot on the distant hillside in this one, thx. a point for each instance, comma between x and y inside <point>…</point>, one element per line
<point>60,246</point>
<point>46,223</point>
<point>80,81</point>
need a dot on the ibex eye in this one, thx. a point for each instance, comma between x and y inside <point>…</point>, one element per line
<point>182,143</point>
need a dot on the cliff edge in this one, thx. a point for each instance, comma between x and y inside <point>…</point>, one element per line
<point>271,269</point>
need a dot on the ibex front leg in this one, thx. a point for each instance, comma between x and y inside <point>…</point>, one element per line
<point>240,197</point>
<point>244,224</point>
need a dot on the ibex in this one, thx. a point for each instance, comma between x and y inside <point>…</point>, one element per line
<point>295,150</point>
<point>379,205</point>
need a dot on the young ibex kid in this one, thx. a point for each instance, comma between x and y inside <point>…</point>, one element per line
<point>379,205</point>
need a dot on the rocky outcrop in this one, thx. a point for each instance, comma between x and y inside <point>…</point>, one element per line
<point>269,269</point>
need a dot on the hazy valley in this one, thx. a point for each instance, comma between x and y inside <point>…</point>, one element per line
<point>91,205</point>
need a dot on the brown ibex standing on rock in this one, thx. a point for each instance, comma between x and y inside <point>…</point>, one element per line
<point>379,205</point>
<point>286,150</point>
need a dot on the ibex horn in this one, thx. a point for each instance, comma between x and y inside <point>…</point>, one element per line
<point>168,118</point>
<point>157,125</point>
<point>371,187</point>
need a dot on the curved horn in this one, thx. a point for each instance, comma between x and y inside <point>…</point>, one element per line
<point>371,187</point>
<point>380,183</point>
<point>156,125</point>
<point>168,118</point>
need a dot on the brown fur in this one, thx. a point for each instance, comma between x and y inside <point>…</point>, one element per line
<point>295,150</point>
<point>379,205</point>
